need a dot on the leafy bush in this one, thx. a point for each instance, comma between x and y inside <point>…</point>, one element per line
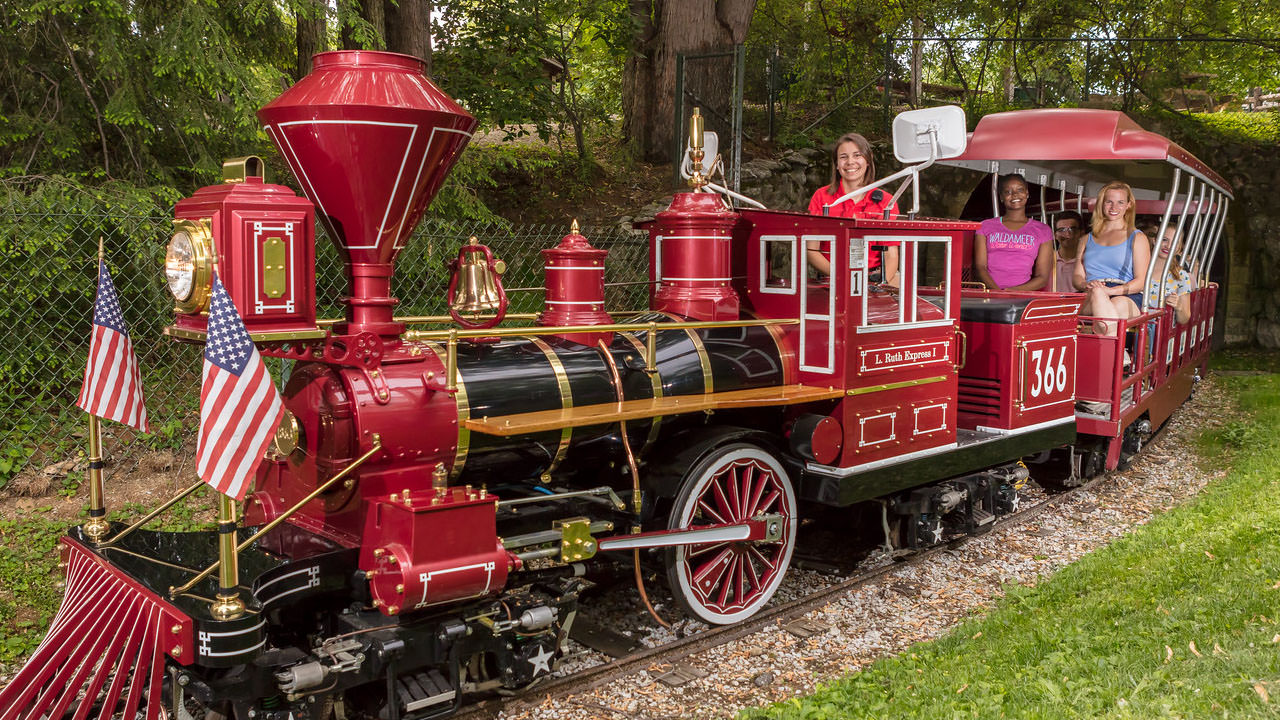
<point>48,255</point>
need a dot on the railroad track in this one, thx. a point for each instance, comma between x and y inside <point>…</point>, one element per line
<point>682,648</point>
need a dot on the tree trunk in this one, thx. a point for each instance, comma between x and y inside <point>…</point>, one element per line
<point>665,28</point>
<point>917,61</point>
<point>375,15</point>
<point>311,34</point>
<point>408,28</point>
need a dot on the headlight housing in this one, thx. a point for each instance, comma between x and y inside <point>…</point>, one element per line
<point>188,265</point>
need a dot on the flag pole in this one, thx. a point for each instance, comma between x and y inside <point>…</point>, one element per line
<point>96,527</point>
<point>228,604</point>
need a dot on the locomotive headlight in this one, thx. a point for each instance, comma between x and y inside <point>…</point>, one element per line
<point>188,265</point>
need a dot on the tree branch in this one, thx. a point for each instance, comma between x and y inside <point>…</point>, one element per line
<point>97,114</point>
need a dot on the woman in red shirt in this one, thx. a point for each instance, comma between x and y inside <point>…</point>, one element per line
<point>852,167</point>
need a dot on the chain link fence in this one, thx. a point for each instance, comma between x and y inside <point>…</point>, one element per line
<point>48,261</point>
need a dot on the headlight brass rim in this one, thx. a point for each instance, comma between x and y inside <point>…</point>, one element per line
<point>201,239</point>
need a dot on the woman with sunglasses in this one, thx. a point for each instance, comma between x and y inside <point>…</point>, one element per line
<point>1067,226</point>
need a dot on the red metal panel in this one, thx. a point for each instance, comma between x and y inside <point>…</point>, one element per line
<point>1073,134</point>
<point>243,216</point>
<point>432,546</point>
<point>690,242</point>
<point>987,378</point>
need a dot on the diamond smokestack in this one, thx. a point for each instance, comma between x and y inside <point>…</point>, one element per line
<point>370,140</point>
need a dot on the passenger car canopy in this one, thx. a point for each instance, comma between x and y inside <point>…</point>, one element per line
<point>1070,148</point>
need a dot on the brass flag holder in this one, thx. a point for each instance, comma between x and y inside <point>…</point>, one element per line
<point>97,527</point>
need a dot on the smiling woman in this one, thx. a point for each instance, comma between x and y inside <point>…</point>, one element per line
<point>1013,252</point>
<point>1113,259</point>
<point>853,166</point>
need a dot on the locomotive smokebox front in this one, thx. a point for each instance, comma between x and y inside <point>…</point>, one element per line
<point>370,140</point>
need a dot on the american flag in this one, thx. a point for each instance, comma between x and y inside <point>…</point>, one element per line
<point>112,386</point>
<point>239,406</point>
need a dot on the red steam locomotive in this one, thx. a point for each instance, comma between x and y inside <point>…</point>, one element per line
<point>433,498</point>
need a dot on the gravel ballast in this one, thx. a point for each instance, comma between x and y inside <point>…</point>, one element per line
<point>907,605</point>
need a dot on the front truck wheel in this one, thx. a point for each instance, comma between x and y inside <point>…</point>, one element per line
<point>725,582</point>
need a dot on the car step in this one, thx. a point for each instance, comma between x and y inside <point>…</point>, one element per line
<point>422,690</point>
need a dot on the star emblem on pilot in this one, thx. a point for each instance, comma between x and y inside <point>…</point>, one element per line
<point>542,659</point>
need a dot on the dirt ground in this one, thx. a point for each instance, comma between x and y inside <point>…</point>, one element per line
<point>140,478</point>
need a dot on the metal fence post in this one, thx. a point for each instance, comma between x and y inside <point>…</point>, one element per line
<point>772,91</point>
<point>677,123</point>
<point>888,80</point>
<point>739,79</point>
<point>1084,85</point>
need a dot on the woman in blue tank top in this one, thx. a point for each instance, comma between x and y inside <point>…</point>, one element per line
<point>1113,259</point>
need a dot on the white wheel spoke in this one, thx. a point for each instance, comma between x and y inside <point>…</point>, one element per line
<point>693,551</point>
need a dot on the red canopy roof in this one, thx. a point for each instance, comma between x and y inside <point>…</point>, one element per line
<point>1081,147</point>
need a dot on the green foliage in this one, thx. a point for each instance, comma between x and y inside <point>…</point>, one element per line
<point>530,67</point>
<point>1242,127</point>
<point>48,255</point>
<point>28,569</point>
<point>1177,619</point>
<point>828,53</point>
<point>150,92</point>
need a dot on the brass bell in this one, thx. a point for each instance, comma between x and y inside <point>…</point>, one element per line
<point>474,279</point>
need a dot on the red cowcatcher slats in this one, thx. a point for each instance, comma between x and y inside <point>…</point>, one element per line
<point>109,627</point>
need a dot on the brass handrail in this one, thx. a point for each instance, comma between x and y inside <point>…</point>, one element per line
<point>413,335</point>
<point>377,446</point>
<point>430,319</point>
<point>153,514</point>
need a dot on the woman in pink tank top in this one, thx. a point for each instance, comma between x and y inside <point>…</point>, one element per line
<point>1013,252</point>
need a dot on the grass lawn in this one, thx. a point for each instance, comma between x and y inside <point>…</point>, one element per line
<point>1179,619</point>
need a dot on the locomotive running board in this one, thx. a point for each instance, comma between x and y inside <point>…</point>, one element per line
<point>975,451</point>
<point>605,413</point>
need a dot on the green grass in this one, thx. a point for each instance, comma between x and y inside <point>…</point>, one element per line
<point>1245,359</point>
<point>1177,619</point>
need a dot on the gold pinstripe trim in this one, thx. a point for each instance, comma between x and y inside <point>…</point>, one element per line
<point>464,414</point>
<point>655,381</point>
<point>566,398</point>
<point>786,355</point>
<point>708,383</point>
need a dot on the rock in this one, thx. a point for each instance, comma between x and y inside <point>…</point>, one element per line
<point>1268,333</point>
<point>161,461</point>
<point>764,679</point>
<point>59,469</point>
